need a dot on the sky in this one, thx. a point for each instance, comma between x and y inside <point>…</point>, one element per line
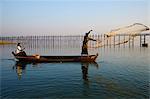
<point>70,17</point>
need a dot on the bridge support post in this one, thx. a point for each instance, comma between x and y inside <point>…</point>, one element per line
<point>145,44</point>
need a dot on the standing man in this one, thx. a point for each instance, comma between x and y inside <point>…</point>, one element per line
<point>85,43</point>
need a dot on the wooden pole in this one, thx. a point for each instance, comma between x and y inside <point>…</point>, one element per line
<point>107,42</point>
<point>140,40</point>
<point>104,41</point>
<point>119,40</point>
<point>133,42</point>
<point>129,41</point>
<point>114,41</point>
<point>144,39</point>
<point>124,40</point>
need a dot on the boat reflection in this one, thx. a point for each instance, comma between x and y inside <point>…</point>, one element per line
<point>20,68</point>
<point>84,67</point>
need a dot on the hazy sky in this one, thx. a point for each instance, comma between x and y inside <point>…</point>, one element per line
<point>63,17</point>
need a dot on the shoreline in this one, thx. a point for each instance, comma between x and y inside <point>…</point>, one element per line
<point>6,42</point>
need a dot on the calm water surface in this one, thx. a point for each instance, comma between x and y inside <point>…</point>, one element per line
<point>118,73</point>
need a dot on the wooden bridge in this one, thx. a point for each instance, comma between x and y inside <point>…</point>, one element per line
<point>76,40</point>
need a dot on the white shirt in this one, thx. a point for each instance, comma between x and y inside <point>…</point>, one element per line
<point>18,49</point>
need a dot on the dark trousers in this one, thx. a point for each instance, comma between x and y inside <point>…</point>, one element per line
<point>84,51</point>
<point>23,53</point>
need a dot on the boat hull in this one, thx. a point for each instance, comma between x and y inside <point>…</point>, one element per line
<point>40,59</point>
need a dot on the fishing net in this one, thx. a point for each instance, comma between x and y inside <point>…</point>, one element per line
<point>130,32</point>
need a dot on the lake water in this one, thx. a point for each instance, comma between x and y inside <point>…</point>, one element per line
<point>118,73</point>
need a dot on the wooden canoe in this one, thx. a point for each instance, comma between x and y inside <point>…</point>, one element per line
<point>40,59</point>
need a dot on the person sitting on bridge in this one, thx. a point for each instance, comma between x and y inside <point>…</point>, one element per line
<point>85,43</point>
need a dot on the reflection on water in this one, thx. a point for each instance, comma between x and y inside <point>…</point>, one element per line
<point>119,73</point>
<point>85,67</point>
<point>85,70</point>
<point>20,68</point>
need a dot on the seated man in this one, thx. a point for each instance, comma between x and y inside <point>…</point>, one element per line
<point>20,51</point>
